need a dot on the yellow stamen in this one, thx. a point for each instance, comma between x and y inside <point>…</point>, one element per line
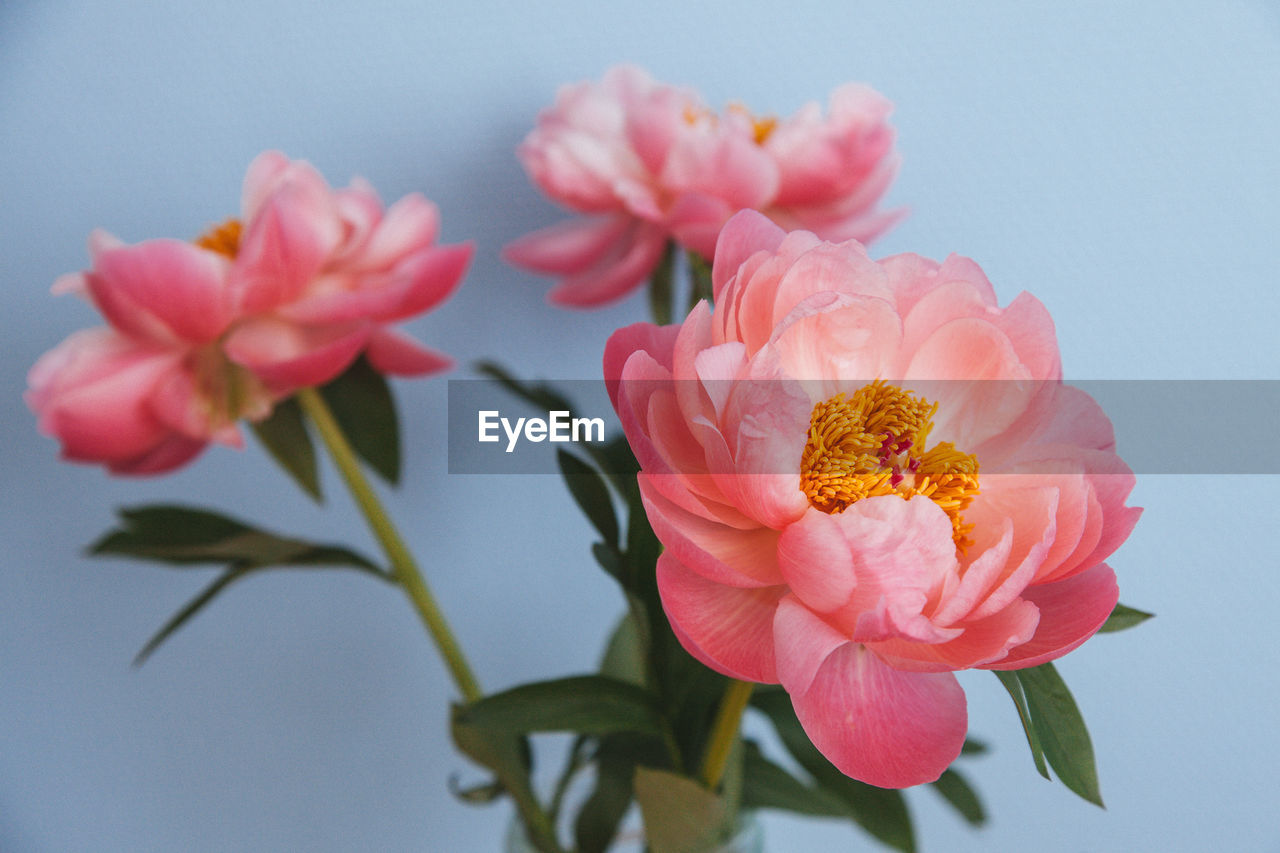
<point>873,444</point>
<point>223,239</point>
<point>761,127</point>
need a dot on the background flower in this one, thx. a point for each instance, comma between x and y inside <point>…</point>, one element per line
<point>853,539</point>
<point>647,162</point>
<point>205,333</point>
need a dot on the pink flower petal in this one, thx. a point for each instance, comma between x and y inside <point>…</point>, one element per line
<point>165,291</point>
<point>1071,611</point>
<point>730,627</point>
<point>400,355</point>
<point>881,726</point>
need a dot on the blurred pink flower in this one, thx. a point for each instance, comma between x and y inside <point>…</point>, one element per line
<point>829,528</point>
<point>203,334</point>
<point>647,162</point>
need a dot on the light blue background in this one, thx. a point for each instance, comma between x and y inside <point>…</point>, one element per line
<point>1117,160</point>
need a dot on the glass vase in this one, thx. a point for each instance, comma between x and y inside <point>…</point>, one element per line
<point>749,838</point>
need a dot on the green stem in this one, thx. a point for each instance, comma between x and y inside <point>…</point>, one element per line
<point>724,731</point>
<point>403,567</point>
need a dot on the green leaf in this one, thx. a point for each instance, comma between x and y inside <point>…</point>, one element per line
<point>285,437</point>
<point>1013,684</point>
<point>973,746</point>
<point>184,536</point>
<point>191,608</point>
<point>880,811</point>
<point>1124,617</point>
<point>586,704</point>
<point>590,494</point>
<point>700,276</point>
<point>476,794</point>
<point>507,756</point>
<point>1062,731</point>
<point>610,560</point>
<point>768,786</point>
<point>187,536</point>
<point>362,405</point>
<point>660,285</point>
<point>957,791</point>
<point>615,761</point>
<point>624,656</point>
<point>680,816</point>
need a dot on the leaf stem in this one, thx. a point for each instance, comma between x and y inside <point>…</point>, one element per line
<point>403,567</point>
<point>724,731</point>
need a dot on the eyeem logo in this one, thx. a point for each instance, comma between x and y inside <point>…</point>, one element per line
<point>557,427</point>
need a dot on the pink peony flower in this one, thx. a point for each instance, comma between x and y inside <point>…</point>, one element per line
<point>829,527</point>
<point>647,162</point>
<point>203,334</point>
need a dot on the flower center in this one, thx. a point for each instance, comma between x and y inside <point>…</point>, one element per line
<point>761,128</point>
<point>873,443</point>
<point>223,239</point>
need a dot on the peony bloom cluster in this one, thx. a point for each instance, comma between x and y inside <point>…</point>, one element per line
<point>866,475</point>
<point>647,162</point>
<point>203,334</point>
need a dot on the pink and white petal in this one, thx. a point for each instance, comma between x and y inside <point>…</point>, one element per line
<point>171,453</point>
<point>264,173</point>
<point>1071,611</point>
<point>398,354</point>
<point>816,561</point>
<point>623,269</point>
<point>163,291</point>
<point>567,247</point>
<point>802,641</point>
<point>879,725</point>
<point>719,553</point>
<point>731,627</point>
<point>286,244</point>
<point>744,235</point>
<point>409,226</point>
<point>286,357</point>
<point>979,642</point>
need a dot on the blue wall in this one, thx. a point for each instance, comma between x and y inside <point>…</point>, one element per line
<point>1117,160</point>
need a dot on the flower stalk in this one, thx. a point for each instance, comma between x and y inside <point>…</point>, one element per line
<point>724,731</point>
<point>403,567</point>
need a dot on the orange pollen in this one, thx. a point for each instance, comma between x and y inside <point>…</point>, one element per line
<point>873,444</point>
<point>223,239</point>
<point>761,128</point>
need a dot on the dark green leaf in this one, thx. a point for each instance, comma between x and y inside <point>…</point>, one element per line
<point>973,746</point>
<point>191,608</point>
<point>957,791</point>
<point>477,794</point>
<point>285,437</point>
<point>610,560</point>
<point>1124,617</point>
<point>768,786</point>
<point>880,811</point>
<point>187,536</point>
<point>680,816</point>
<point>597,821</point>
<point>624,656</point>
<point>361,402</point>
<point>700,279</point>
<point>660,285</point>
<point>1013,684</point>
<point>540,395</point>
<point>587,704</point>
<point>507,756</point>
<point>1062,731</point>
<point>591,495</point>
